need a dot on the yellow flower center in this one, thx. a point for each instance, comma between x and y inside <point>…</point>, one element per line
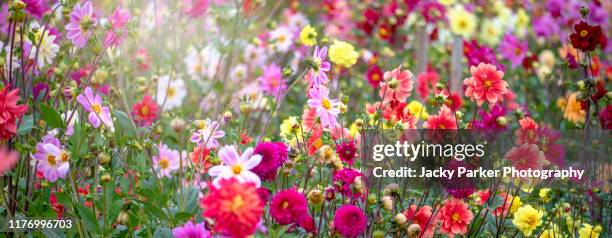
<point>237,169</point>
<point>455,217</point>
<point>584,33</point>
<point>51,160</point>
<point>144,110</point>
<point>285,205</point>
<point>462,24</point>
<point>376,77</point>
<point>164,163</point>
<point>281,39</point>
<point>171,92</point>
<point>64,156</point>
<point>237,203</point>
<point>326,104</point>
<point>96,108</point>
<point>488,83</point>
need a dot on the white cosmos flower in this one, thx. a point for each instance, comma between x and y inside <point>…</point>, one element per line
<point>202,63</point>
<point>47,50</point>
<point>238,73</point>
<point>281,39</point>
<point>236,166</point>
<point>170,94</point>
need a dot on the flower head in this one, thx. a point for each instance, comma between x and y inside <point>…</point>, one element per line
<point>444,120</point>
<point>235,207</point>
<point>344,180</point>
<point>586,37</point>
<point>236,166</point>
<point>397,85</point>
<point>10,112</point>
<point>82,22</point>
<point>350,221</point>
<point>166,161</point>
<point>145,111</point>
<point>526,156</point>
<point>455,216</point>
<point>8,159</point>
<point>207,134</point>
<point>343,54</point>
<point>462,22</point>
<point>346,150</point>
<point>573,110</point>
<point>272,81</point>
<point>92,103</point>
<point>118,30</point>
<point>191,230</point>
<point>274,155</point>
<point>170,93</point>
<point>53,161</point>
<point>319,67</point>
<point>527,219</point>
<point>588,231</point>
<point>486,84</point>
<point>308,35</point>
<point>513,49</point>
<point>289,206</point>
<point>327,109</point>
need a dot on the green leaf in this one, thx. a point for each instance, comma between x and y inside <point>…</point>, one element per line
<point>27,123</point>
<point>163,233</point>
<point>125,123</point>
<point>51,116</point>
<point>88,217</point>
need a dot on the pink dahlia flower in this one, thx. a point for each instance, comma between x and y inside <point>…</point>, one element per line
<point>273,156</point>
<point>350,221</point>
<point>118,30</point>
<point>486,84</point>
<point>526,156</point>
<point>327,109</point>
<point>82,22</point>
<point>289,206</point>
<point>397,85</point>
<point>92,103</point>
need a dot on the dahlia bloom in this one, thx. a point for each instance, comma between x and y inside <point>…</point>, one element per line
<point>462,22</point>
<point>573,110</point>
<point>343,54</point>
<point>374,75</point>
<point>166,161</point>
<point>273,156</point>
<point>53,161</point>
<point>344,178</point>
<point>36,8</point>
<point>346,150</point>
<point>92,103</point>
<point>527,219</point>
<point>513,49</point>
<point>271,81</point>
<point>492,119</point>
<point>289,206</point>
<point>486,84</point>
<point>327,109</point>
<point>236,166</point>
<point>118,28</point>
<point>145,111</point>
<point>425,82</point>
<point>8,159</point>
<point>586,37</point>
<point>421,217</point>
<point>397,85</point>
<point>526,156</point>
<point>47,47</point>
<point>444,120</point>
<point>320,67</point>
<point>195,8</point>
<point>477,54</point>
<point>455,216</point>
<point>207,134</point>
<point>170,93</point>
<point>191,230</point>
<point>10,112</point>
<point>235,207</point>
<point>350,221</point>
<point>82,22</point>
<point>605,117</point>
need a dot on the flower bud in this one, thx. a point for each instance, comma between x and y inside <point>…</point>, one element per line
<point>580,85</point>
<point>330,194</point>
<point>316,197</point>
<point>360,184</point>
<point>502,121</point>
<point>400,219</point>
<point>378,234</point>
<point>371,199</point>
<point>227,116</point>
<point>584,11</point>
<point>105,178</point>
<point>391,189</point>
<point>387,203</point>
<point>177,124</point>
<point>104,158</point>
<point>413,230</point>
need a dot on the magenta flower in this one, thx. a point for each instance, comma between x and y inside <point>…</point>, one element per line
<point>36,8</point>
<point>191,230</point>
<point>53,161</point>
<point>350,221</point>
<point>327,109</point>
<point>271,81</point>
<point>166,161</point>
<point>82,22</point>
<point>92,103</point>
<point>208,134</point>
<point>274,155</point>
<point>320,67</point>
<point>513,49</point>
<point>118,31</point>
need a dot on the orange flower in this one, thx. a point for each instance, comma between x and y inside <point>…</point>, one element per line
<point>573,110</point>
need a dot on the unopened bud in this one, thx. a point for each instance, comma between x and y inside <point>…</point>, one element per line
<point>502,121</point>
<point>227,116</point>
<point>387,203</point>
<point>104,158</point>
<point>316,197</point>
<point>413,230</point>
<point>584,11</point>
<point>177,124</point>
<point>105,178</point>
<point>400,219</point>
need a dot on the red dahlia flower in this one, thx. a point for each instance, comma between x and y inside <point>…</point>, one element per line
<point>10,112</point>
<point>586,37</point>
<point>145,111</point>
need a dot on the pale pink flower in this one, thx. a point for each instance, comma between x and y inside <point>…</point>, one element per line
<point>82,22</point>
<point>8,159</point>
<point>327,109</point>
<point>166,161</point>
<point>526,156</point>
<point>236,166</point>
<point>397,85</point>
<point>118,30</point>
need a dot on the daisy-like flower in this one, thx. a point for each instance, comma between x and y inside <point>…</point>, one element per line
<point>327,109</point>
<point>319,67</point>
<point>166,161</point>
<point>462,22</point>
<point>47,49</point>
<point>145,111</point>
<point>513,49</point>
<point>271,81</point>
<point>281,39</point>
<point>8,159</point>
<point>53,161</point>
<point>236,166</point>
<point>170,93</point>
<point>92,103</point>
<point>191,230</point>
<point>202,63</point>
<point>444,120</point>
<point>397,85</point>
<point>207,134</point>
<point>118,30</point>
<point>486,84</point>
<point>82,22</point>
